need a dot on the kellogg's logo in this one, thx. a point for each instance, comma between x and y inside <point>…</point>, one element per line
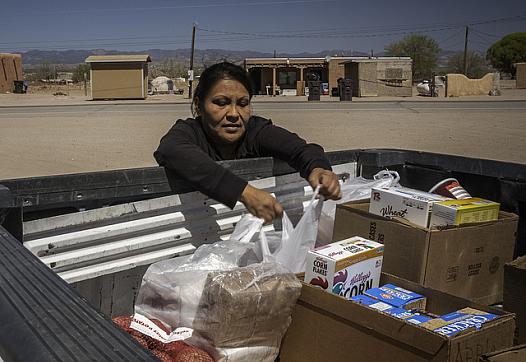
<point>335,253</point>
<point>360,278</point>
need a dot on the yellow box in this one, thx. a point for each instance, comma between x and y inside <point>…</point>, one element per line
<point>456,212</point>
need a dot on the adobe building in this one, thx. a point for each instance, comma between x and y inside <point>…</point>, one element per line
<point>119,76</point>
<point>10,70</point>
<point>382,76</point>
<point>370,76</point>
<point>520,75</point>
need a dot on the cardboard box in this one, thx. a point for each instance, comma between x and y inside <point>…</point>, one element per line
<point>326,327</point>
<point>465,260</point>
<point>401,202</point>
<point>513,354</point>
<point>347,267</point>
<point>515,294</point>
<point>456,212</point>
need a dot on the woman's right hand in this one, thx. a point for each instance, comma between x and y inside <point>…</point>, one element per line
<point>261,204</point>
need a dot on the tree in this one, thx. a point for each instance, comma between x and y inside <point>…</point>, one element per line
<point>78,73</point>
<point>171,68</point>
<point>45,71</point>
<point>507,51</point>
<point>422,49</point>
<point>476,65</point>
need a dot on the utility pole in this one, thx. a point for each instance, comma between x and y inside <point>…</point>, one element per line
<point>191,71</point>
<point>466,52</point>
<point>85,84</point>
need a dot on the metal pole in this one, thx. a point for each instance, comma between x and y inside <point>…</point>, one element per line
<point>191,72</point>
<point>433,85</point>
<point>466,52</point>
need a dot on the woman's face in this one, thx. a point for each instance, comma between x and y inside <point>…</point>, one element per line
<point>225,111</point>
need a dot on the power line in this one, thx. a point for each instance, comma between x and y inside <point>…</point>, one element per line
<point>451,37</point>
<point>214,36</point>
<point>178,7</point>
<point>487,34</point>
<point>327,35</point>
<point>483,39</point>
<point>500,20</point>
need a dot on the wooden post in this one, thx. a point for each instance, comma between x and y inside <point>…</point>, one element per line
<point>273,81</point>
<point>466,52</point>
<point>302,84</point>
<point>191,73</point>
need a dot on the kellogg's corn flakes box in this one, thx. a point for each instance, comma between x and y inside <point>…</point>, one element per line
<point>347,268</point>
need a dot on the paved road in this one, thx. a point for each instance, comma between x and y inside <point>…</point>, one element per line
<point>79,138</point>
<point>10,111</point>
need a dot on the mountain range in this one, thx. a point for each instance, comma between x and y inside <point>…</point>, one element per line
<point>71,57</point>
<point>34,58</point>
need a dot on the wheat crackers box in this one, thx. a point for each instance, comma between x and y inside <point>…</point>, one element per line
<point>404,203</point>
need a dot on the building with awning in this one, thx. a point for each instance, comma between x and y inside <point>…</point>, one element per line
<point>289,76</point>
<point>119,76</point>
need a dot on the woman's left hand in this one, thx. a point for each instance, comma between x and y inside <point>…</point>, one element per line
<point>328,181</point>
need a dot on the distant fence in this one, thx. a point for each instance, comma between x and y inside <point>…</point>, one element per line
<point>460,85</point>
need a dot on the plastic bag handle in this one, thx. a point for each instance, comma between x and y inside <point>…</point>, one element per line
<point>386,173</point>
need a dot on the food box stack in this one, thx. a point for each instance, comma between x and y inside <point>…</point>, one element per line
<point>454,245</point>
<point>427,209</point>
<point>411,307</point>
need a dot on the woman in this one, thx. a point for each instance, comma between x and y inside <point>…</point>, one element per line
<point>225,129</point>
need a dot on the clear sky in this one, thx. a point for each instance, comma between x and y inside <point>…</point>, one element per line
<point>290,26</point>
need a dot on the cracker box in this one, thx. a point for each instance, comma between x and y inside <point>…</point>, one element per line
<point>404,203</point>
<point>371,302</point>
<point>347,268</point>
<point>415,318</point>
<point>397,297</point>
<point>453,323</point>
<point>456,212</point>
<point>418,318</point>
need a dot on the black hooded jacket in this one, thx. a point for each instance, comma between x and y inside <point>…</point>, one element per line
<point>187,151</point>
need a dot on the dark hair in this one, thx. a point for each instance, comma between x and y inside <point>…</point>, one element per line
<point>214,74</point>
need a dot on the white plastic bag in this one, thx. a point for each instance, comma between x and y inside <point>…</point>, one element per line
<point>357,188</point>
<point>233,306</point>
<point>170,289</point>
<point>295,241</point>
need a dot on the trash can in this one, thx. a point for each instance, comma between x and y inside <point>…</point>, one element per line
<point>314,90</point>
<point>19,87</point>
<point>345,89</point>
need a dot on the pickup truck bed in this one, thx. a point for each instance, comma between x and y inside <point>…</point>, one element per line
<point>74,247</point>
